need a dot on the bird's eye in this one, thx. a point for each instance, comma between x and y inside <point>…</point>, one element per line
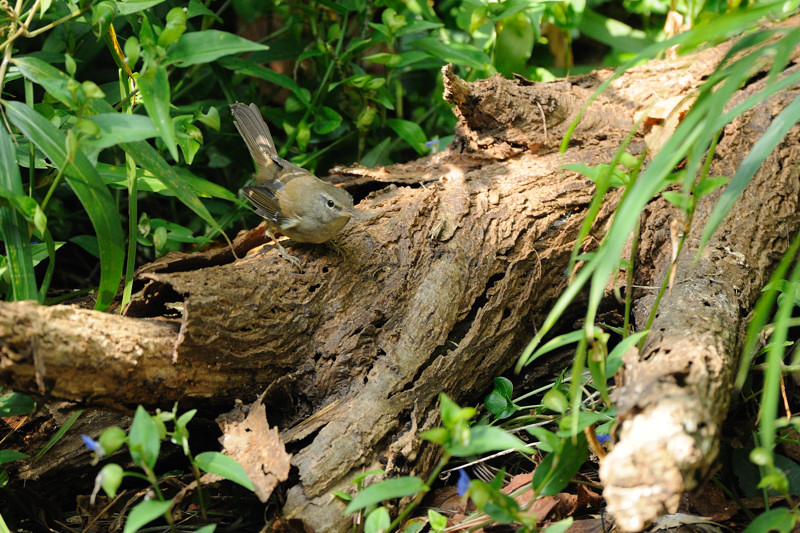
<point>330,203</point>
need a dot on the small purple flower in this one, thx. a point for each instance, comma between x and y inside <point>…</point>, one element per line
<point>90,443</point>
<point>95,447</point>
<point>602,439</point>
<point>463,482</point>
<point>433,145</point>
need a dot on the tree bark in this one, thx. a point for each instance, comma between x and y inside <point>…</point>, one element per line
<point>454,261</point>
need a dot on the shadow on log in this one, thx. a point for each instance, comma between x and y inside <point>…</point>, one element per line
<point>456,259</point>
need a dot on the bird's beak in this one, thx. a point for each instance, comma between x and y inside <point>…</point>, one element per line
<point>353,213</point>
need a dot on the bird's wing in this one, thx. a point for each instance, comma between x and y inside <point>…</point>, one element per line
<point>264,198</point>
<point>288,170</point>
<point>256,135</point>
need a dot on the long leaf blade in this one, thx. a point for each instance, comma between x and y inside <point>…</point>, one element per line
<point>206,46</point>
<point>154,88</point>
<point>88,187</point>
<point>750,165</point>
<point>15,227</point>
<point>148,158</point>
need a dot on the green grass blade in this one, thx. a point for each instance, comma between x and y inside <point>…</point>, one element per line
<point>772,375</point>
<point>88,187</point>
<point>59,434</point>
<point>763,147</point>
<point>14,226</point>
<point>763,311</point>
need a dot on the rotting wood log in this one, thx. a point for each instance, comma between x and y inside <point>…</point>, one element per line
<point>677,391</point>
<point>437,288</point>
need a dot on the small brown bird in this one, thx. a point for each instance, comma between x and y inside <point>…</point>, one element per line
<point>294,202</point>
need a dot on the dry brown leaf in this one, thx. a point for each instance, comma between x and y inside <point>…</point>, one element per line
<point>256,447</point>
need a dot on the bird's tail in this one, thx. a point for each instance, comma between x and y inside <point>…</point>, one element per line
<point>256,135</point>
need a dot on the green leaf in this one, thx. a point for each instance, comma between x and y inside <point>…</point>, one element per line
<point>88,187</point>
<point>412,526</point>
<point>129,7</point>
<point>111,475</point>
<point>14,227</point>
<point>596,172</point>
<point>585,419</point>
<point>249,68</point>
<point>197,8</point>
<point>210,119</point>
<point>143,441</point>
<point>409,132</point>
<point>499,401</point>
<point>208,45</point>
<point>384,58</point>
<point>15,404</point>
<point>451,413</point>
<point>144,513</point>
<point>116,128</point>
<point>488,498</point>
<point>555,400</point>
<point>435,435</point>
<point>780,519</point>
<point>513,44</point>
<point>6,456</point>
<point>614,360</point>
<point>437,520</point>
<point>377,521</point>
<point>548,441</point>
<point>112,439</point>
<point>399,487</point>
<point>174,28</point>
<point>558,342</point>
<point>484,439</point>
<point>709,185</point>
<point>326,120</point>
<point>184,419</point>
<point>457,53</point>
<point>559,527</point>
<point>225,466</point>
<point>345,497</point>
<point>678,199</point>
<point>559,467</point>
<point>53,80</point>
<point>154,88</point>
<point>378,155</point>
<point>88,243</point>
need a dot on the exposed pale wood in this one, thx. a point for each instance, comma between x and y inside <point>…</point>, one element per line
<point>676,393</point>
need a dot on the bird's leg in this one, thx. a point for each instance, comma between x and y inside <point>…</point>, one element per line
<point>282,251</point>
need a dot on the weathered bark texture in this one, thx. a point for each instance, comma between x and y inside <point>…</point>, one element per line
<point>677,391</point>
<point>437,288</point>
